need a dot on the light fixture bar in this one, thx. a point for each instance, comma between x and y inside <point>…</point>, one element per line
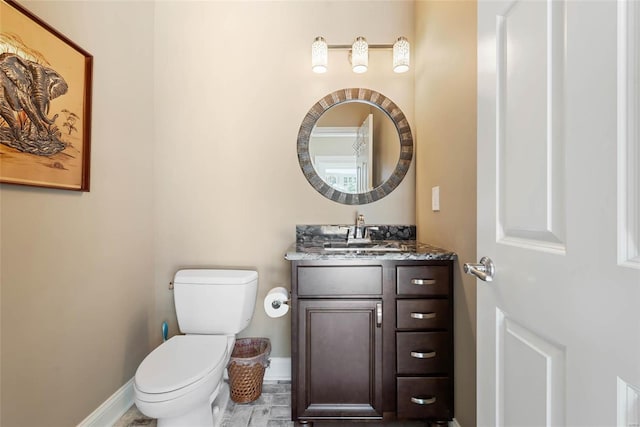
<point>348,46</point>
<point>359,54</point>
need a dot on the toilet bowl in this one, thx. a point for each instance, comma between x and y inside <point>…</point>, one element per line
<point>180,378</point>
<point>180,382</point>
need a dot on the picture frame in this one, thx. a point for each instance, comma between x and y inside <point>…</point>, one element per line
<point>45,104</point>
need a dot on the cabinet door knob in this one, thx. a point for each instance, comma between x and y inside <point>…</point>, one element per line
<point>420,401</point>
<point>420,355</point>
<point>423,282</point>
<point>430,315</point>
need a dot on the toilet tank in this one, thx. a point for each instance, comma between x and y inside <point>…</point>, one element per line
<point>214,301</point>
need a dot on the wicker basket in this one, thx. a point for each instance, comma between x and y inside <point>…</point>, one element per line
<point>249,359</point>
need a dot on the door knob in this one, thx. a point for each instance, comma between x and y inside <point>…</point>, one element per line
<point>485,270</point>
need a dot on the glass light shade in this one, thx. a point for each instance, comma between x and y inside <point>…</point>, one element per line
<point>319,55</point>
<point>401,55</point>
<point>360,55</point>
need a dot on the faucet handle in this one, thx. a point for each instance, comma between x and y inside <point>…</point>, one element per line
<point>367,231</point>
<point>347,229</point>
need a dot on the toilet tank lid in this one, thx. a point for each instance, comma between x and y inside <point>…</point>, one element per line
<point>203,276</point>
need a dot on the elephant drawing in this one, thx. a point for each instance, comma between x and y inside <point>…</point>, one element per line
<point>28,87</point>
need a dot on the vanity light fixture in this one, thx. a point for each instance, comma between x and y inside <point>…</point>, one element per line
<point>401,55</point>
<point>319,55</point>
<point>359,54</point>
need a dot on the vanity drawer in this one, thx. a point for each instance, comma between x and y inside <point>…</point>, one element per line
<point>423,352</point>
<point>338,280</point>
<point>422,314</point>
<point>423,280</point>
<point>425,398</point>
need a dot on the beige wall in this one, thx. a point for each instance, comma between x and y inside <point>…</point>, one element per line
<point>233,83</point>
<point>76,268</point>
<point>197,106</point>
<point>445,116</point>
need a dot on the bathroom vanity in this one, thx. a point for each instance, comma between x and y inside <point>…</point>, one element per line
<point>371,328</point>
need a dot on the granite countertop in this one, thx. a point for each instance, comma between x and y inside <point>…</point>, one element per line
<point>414,251</point>
<point>311,239</point>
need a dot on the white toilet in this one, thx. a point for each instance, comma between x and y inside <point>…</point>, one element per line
<point>180,382</point>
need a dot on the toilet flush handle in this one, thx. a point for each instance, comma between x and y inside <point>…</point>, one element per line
<point>170,286</point>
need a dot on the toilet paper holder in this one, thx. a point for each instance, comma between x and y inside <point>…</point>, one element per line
<point>277,303</point>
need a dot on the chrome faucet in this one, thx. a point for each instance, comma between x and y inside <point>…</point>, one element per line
<point>360,232</point>
<point>360,228</point>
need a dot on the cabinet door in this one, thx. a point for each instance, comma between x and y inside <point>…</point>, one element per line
<point>340,359</point>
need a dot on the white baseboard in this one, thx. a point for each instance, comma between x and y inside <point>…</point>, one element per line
<point>279,369</point>
<point>112,409</point>
<point>454,423</point>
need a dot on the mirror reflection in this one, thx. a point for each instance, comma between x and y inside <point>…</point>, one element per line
<point>354,147</point>
<point>361,147</point>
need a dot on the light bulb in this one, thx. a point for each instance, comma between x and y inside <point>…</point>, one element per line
<point>359,55</point>
<point>401,55</point>
<point>319,55</point>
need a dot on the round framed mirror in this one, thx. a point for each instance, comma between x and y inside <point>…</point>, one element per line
<point>355,146</point>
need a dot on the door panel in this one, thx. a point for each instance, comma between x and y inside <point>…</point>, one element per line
<point>531,371</point>
<point>629,133</point>
<point>529,87</point>
<point>558,328</point>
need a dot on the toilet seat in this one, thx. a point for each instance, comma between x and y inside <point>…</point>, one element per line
<point>180,365</point>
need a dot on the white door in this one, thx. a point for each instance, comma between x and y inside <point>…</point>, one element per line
<point>364,155</point>
<point>559,213</point>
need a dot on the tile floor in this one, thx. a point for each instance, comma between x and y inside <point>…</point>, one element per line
<point>271,409</point>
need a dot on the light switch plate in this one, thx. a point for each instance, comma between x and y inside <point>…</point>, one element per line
<point>435,199</point>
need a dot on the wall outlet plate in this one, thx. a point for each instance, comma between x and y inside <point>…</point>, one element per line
<point>435,199</point>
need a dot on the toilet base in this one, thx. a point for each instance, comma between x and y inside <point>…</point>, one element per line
<point>219,404</point>
<point>209,415</point>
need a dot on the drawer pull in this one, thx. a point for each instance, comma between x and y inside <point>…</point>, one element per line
<point>423,315</point>
<point>427,401</point>
<point>420,355</point>
<point>423,282</point>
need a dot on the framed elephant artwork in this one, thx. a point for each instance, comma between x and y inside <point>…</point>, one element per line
<point>45,104</point>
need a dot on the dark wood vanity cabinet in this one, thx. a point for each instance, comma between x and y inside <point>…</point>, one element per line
<point>424,341</point>
<point>341,351</point>
<point>371,340</point>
